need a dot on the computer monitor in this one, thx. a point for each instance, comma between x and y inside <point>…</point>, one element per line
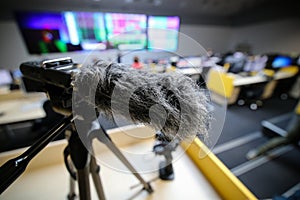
<point>255,63</point>
<point>237,62</point>
<point>5,77</point>
<point>281,62</point>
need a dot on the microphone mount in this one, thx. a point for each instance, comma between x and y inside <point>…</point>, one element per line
<point>54,77</point>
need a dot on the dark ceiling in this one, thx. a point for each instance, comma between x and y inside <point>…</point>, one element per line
<point>214,12</point>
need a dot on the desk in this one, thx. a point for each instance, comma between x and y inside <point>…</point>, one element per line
<point>241,80</point>
<point>196,177</point>
<point>225,87</point>
<point>18,107</point>
<point>190,71</point>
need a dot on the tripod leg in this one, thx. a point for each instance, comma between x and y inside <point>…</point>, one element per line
<point>96,178</point>
<point>103,137</point>
<point>72,194</point>
<point>80,159</point>
<point>84,183</point>
<point>123,159</point>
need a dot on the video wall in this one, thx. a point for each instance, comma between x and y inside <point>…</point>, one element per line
<point>163,32</point>
<point>52,32</point>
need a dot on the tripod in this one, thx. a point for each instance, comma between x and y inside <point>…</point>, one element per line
<point>81,165</point>
<point>86,163</point>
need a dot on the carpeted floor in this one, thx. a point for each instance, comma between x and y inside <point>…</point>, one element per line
<point>266,177</point>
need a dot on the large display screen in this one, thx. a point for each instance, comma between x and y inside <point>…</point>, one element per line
<point>52,32</point>
<point>163,32</point>
<point>126,31</point>
<point>48,32</point>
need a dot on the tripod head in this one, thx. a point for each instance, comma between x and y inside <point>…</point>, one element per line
<point>54,77</point>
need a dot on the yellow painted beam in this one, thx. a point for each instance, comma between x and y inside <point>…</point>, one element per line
<point>225,183</point>
<point>297,110</point>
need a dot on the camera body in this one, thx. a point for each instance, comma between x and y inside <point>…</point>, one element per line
<point>54,77</point>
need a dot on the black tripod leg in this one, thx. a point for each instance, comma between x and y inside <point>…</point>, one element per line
<point>72,193</point>
<point>94,168</point>
<point>80,158</point>
<point>123,159</point>
<point>99,132</point>
<point>84,183</point>
<point>103,137</point>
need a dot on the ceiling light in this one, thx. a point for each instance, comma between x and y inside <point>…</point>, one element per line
<point>128,1</point>
<point>157,2</point>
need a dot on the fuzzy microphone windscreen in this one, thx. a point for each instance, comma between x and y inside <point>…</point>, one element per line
<point>170,102</point>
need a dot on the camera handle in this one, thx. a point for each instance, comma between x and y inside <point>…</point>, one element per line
<point>13,168</point>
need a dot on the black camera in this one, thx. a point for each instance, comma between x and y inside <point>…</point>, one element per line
<point>54,77</point>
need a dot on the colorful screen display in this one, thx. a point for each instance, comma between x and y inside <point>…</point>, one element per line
<point>163,32</point>
<point>281,61</point>
<point>52,32</point>
<point>48,32</point>
<point>126,31</point>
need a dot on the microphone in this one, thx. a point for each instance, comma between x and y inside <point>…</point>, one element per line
<point>170,102</point>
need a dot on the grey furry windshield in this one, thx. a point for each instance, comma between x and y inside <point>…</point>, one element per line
<point>170,102</point>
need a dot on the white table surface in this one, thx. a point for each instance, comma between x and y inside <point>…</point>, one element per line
<point>242,80</point>
<point>21,108</point>
<point>47,178</point>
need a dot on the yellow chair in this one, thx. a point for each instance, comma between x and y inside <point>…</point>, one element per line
<point>221,85</point>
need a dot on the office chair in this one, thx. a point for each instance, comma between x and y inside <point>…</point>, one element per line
<point>284,63</point>
<point>253,94</point>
